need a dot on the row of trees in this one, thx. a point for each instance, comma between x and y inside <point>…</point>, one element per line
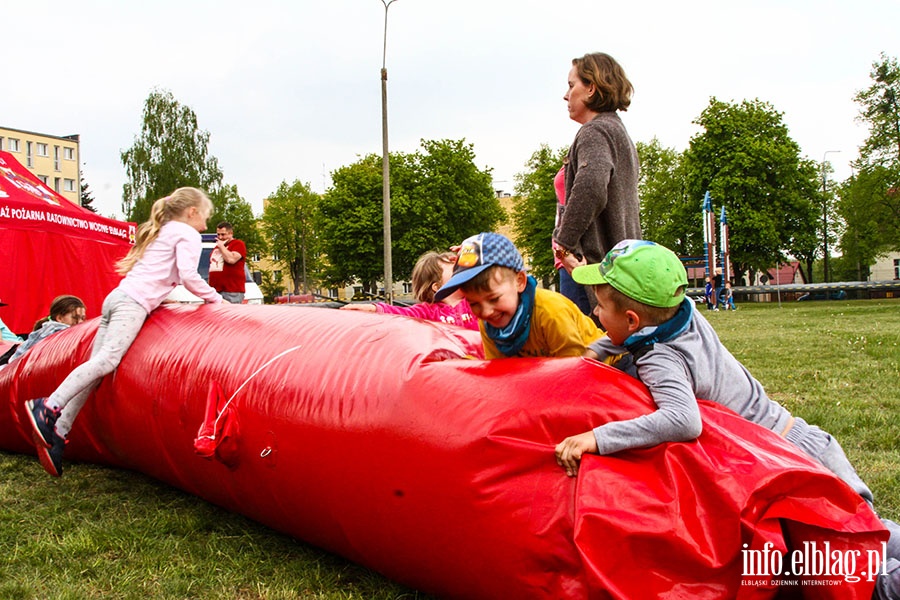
<point>869,204</point>
<point>775,200</point>
<point>438,197</point>
<point>744,156</point>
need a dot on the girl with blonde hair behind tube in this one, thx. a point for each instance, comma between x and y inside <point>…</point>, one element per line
<point>166,253</point>
<point>432,270</point>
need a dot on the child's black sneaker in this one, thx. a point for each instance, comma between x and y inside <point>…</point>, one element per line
<point>43,421</point>
<point>51,458</point>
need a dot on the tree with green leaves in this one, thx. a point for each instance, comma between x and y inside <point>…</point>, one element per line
<point>87,197</point>
<point>869,205</point>
<point>170,152</point>
<point>351,222</point>
<point>438,198</point>
<point>750,165</point>
<point>231,207</point>
<point>443,198</point>
<point>880,110</point>
<point>534,214</point>
<point>271,285</point>
<point>289,220</point>
<point>870,200</point>
<point>669,216</point>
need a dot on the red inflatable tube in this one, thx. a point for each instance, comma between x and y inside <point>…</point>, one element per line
<point>375,437</point>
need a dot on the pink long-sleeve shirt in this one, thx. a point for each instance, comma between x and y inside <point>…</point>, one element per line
<point>460,314</point>
<point>169,260</point>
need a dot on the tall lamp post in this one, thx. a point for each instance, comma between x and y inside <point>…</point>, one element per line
<point>385,168</point>
<point>825,214</point>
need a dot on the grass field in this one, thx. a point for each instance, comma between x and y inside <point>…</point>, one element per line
<point>103,533</point>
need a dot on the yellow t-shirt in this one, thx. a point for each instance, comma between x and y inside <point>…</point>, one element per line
<point>558,328</point>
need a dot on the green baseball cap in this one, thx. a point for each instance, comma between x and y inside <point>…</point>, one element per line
<point>642,270</point>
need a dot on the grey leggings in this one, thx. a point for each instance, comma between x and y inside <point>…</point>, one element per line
<point>825,449</point>
<point>120,324</point>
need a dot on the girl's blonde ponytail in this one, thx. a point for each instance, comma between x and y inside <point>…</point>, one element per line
<point>162,211</point>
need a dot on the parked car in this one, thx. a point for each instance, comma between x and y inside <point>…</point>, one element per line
<point>252,293</point>
<point>832,295</point>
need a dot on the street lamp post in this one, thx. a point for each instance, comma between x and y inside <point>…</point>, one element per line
<point>825,215</point>
<point>385,168</point>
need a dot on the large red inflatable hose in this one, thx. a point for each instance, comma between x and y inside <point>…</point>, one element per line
<point>379,438</point>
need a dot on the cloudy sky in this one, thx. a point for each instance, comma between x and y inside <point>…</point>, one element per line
<point>290,89</point>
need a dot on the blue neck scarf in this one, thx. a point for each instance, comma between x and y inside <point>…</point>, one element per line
<point>510,339</point>
<point>641,342</point>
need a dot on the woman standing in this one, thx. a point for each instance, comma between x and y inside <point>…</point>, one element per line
<point>601,170</point>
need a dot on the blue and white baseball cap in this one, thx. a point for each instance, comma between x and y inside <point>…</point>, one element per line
<point>478,253</point>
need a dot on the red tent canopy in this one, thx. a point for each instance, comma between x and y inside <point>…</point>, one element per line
<point>50,246</point>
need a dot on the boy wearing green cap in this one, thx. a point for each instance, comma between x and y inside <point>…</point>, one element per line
<point>641,302</point>
<point>640,289</point>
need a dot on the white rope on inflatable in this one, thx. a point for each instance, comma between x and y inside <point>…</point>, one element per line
<point>240,387</point>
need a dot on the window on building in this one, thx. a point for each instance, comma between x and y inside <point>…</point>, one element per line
<point>69,185</point>
<point>42,149</point>
<point>69,153</point>
<point>255,257</point>
<point>333,293</point>
<point>56,181</point>
<point>407,287</point>
<point>275,256</point>
<point>897,268</point>
<point>44,179</point>
<point>56,159</point>
<point>29,155</point>
<point>12,144</point>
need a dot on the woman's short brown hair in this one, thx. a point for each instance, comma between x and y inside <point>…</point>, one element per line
<point>614,91</point>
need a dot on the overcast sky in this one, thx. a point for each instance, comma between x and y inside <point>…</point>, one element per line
<point>291,89</point>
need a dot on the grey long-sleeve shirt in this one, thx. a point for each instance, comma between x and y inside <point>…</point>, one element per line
<point>692,365</point>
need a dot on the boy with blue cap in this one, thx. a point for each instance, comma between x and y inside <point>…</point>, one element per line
<point>640,288</point>
<point>514,316</point>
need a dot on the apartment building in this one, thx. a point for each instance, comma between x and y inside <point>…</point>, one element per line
<point>54,160</point>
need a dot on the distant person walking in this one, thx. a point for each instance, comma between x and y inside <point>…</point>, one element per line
<point>226,264</point>
<point>709,295</point>
<point>728,297</point>
<point>165,253</point>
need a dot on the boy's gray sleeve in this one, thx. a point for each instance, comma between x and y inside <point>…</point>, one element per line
<point>676,419</point>
<point>605,348</point>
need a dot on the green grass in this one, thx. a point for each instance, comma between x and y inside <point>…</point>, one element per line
<point>104,533</point>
